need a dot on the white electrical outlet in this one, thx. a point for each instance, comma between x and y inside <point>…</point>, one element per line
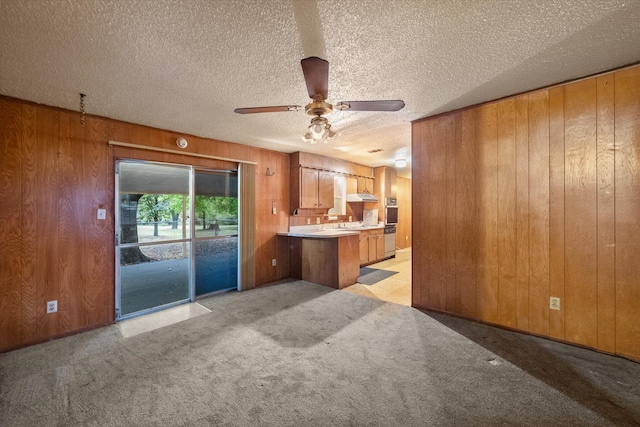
<point>318,220</point>
<point>554,303</point>
<point>102,213</point>
<point>273,262</point>
<point>52,306</point>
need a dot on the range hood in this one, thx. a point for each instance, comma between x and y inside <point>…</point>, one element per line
<point>361,197</point>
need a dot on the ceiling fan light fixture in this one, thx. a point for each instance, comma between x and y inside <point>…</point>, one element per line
<point>308,138</point>
<point>316,131</point>
<point>331,134</point>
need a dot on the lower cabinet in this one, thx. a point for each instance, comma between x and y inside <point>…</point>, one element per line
<point>371,246</point>
<point>364,247</point>
<point>329,261</point>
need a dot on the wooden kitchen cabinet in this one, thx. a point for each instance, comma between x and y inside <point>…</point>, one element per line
<point>371,246</point>
<point>352,184</point>
<point>380,245</point>
<point>308,188</point>
<point>315,189</point>
<point>365,185</point>
<point>327,261</point>
<point>364,247</point>
<point>326,185</point>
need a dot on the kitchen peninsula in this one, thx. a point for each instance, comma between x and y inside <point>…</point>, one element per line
<point>329,257</point>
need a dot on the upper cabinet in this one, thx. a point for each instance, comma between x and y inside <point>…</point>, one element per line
<point>313,180</point>
<point>315,189</point>
<point>365,185</point>
<point>308,195</point>
<point>325,189</point>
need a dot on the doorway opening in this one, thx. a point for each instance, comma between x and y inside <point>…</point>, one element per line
<point>177,235</point>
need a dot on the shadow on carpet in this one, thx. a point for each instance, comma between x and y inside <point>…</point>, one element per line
<point>369,276</point>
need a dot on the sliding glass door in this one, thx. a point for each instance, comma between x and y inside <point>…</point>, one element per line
<point>164,257</point>
<point>216,231</point>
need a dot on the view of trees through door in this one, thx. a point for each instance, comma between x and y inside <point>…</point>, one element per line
<point>157,235</point>
<point>216,231</point>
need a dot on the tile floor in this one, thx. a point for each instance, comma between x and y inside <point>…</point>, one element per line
<point>396,288</point>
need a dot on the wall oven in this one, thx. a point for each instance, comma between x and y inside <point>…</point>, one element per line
<point>391,211</point>
<point>390,221</point>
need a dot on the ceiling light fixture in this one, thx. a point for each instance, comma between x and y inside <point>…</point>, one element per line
<point>319,131</point>
<point>401,157</point>
<point>400,163</point>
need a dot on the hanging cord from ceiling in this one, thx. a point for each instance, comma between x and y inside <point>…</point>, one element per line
<point>82,96</point>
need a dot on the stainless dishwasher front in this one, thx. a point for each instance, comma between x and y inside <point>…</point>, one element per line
<point>389,241</point>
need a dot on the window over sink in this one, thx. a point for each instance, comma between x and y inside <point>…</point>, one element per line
<point>339,196</point>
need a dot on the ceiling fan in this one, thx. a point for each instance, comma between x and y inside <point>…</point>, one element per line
<point>316,76</point>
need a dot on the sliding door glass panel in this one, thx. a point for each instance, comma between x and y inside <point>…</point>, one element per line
<point>216,231</point>
<point>153,245</point>
<point>163,280</point>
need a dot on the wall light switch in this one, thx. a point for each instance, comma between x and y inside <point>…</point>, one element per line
<point>318,220</point>
<point>102,213</point>
<point>273,208</point>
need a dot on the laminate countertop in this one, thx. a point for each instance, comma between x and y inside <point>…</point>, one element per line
<point>330,233</point>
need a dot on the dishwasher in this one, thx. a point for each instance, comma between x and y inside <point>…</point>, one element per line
<point>390,241</point>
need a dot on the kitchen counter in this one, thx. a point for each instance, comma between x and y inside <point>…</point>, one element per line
<point>317,232</point>
<point>322,234</point>
<point>326,257</point>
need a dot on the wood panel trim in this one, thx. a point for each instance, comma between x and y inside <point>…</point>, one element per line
<point>182,153</point>
<point>247,176</point>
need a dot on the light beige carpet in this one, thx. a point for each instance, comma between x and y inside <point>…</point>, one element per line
<point>299,354</point>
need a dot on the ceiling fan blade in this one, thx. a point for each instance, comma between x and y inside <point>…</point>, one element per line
<point>316,75</point>
<point>275,109</point>
<point>387,105</point>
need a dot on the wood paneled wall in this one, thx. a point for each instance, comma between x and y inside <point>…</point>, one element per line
<point>54,175</point>
<point>403,230</point>
<point>533,197</point>
<point>273,188</point>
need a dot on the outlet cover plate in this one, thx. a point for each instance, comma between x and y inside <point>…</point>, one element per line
<point>52,306</point>
<point>554,303</point>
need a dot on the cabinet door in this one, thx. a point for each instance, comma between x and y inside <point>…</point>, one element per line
<point>365,185</point>
<point>368,182</point>
<point>308,188</point>
<point>380,246</point>
<point>325,189</point>
<point>373,247</point>
<point>364,248</point>
<point>352,185</point>
<point>362,184</point>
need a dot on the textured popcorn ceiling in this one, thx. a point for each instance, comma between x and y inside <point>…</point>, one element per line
<point>185,65</point>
